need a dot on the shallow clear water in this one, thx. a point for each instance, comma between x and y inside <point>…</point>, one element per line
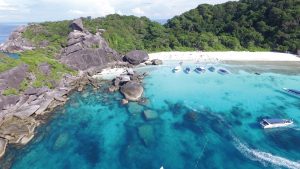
<point>205,121</point>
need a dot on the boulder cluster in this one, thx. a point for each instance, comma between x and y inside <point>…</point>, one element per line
<point>129,85</point>
<point>85,50</point>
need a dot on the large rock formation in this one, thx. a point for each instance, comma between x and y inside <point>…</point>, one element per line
<point>77,25</point>
<point>13,78</point>
<point>136,57</point>
<point>85,50</point>
<point>132,91</point>
<point>16,43</point>
<point>17,130</point>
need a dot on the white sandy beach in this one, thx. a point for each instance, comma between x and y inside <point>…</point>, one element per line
<point>224,56</point>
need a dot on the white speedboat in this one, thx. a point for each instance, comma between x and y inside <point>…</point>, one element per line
<point>177,69</point>
<point>292,92</point>
<point>200,70</point>
<point>274,123</point>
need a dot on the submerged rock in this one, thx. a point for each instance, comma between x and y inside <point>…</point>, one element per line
<point>150,115</point>
<point>132,91</point>
<point>135,109</point>
<point>3,144</point>
<point>136,57</point>
<point>146,133</point>
<point>61,141</point>
<point>191,116</point>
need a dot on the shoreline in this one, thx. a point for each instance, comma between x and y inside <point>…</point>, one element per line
<point>59,96</point>
<point>224,56</point>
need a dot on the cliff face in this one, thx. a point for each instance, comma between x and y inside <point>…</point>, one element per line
<point>85,50</point>
<point>16,43</point>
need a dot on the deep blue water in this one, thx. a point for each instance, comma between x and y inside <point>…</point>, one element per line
<point>206,121</point>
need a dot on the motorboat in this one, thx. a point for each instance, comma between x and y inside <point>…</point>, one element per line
<point>187,70</point>
<point>200,70</point>
<point>211,69</point>
<point>274,123</point>
<point>177,69</point>
<point>223,71</point>
<point>292,92</point>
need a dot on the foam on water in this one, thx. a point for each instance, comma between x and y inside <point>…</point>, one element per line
<point>265,157</point>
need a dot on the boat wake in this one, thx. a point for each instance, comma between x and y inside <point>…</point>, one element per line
<point>264,157</point>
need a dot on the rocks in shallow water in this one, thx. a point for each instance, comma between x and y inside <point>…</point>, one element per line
<point>136,57</point>
<point>17,130</point>
<point>132,91</point>
<point>124,101</point>
<point>134,108</point>
<point>156,62</point>
<point>61,141</point>
<point>146,133</point>
<point>191,116</point>
<point>3,144</point>
<point>150,115</point>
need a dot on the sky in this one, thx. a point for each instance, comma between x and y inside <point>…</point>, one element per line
<point>51,10</point>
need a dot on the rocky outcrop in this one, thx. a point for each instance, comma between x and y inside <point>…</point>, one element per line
<point>17,130</point>
<point>16,43</point>
<point>13,78</point>
<point>136,57</point>
<point>45,68</point>
<point>3,144</point>
<point>8,101</point>
<point>77,25</point>
<point>132,91</point>
<point>85,50</point>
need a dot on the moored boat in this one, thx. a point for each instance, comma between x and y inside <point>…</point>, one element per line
<point>200,70</point>
<point>211,69</point>
<point>187,70</point>
<point>223,71</point>
<point>177,69</point>
<point>292,92</point>
<point>274,123</point>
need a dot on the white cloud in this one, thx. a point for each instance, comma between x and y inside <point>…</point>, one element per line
<point>76,12</point>
<point>4,6</point>
<point>42,10</point>
<point>137,11</point>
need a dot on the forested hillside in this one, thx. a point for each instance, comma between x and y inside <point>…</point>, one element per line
<point>271,25</point>
<point>247,24</point>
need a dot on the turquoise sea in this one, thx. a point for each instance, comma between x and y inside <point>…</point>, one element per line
<point>206,121</point>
